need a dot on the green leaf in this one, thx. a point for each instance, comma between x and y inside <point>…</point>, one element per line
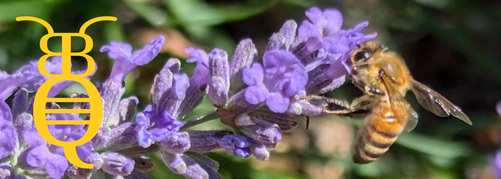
<point>430,146</point>
<point>438,4</point>
<point>155,16</point>
<point>12,9</point>
<point>200,13</point>
<point>211,36</point>
<point>114,31</point>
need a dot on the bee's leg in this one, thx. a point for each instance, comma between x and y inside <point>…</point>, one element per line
<point>374,89</point>
<point>307,122</point>
<point>336,106</point>
<point>361,106</point>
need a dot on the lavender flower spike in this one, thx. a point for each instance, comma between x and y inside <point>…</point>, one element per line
<point>219,84</point>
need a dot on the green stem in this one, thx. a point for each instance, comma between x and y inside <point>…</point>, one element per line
<point>200,119</point>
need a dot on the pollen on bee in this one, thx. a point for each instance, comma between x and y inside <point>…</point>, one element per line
<point>389,116</point>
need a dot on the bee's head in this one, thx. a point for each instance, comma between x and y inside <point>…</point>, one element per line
<point>365,51</point>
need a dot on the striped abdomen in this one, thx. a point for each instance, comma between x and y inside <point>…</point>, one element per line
<point>381,129</point>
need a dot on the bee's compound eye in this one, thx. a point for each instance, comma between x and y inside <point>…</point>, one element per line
<point>362,55</point>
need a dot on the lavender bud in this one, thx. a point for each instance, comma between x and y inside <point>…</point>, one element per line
<point>143,164</point>
<point>285,122</point>
<point>135,151</point>
<point>122,136</point>
<point>80,105</point>
<point>101,139</point>
<point>239,103</point>
<point>205,141</point>
<point>260,130</point>
<point>163,80</point>
<point>111,93</point>
<point>306,51</point>
<point>171,98</point>
<point>178,142</point>
<point>194,96</point>
<point>193,169</point>
<point>22,123</point>
<point>219,72</point>
<point>319,81</point>
<point>260,151</point>
<point>95,159</point>
<point>208,164</point>
<point>74,172</point>
<point>236,144</point>
<point>284,38</point>
<point>20,102</point>
<point>244,56</point>
<point>117,164</point>
<point>127,108</point>
<point>174,162</point>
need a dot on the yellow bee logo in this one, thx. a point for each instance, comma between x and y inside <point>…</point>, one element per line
<point>94,99</point>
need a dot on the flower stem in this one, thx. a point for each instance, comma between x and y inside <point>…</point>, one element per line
<point>200,119</point>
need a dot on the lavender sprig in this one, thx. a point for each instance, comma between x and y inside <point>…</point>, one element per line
<point>257,97</point>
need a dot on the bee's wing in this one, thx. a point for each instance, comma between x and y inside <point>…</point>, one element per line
<point>400,107</point>
<point>436,103</point>
<point>413,119</point>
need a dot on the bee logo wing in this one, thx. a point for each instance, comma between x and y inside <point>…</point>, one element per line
<point>436,103</point>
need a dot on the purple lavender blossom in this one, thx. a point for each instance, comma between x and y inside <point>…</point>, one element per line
<point>31,79</point>
<point>323,34</point>
<point>236,144</point>
<point>8,134</point>
<point>126,60</point>
<point>281,78</point>
<point>154,126</point>
<point>321,24</point>
<point>201,73</point>
<point>41,154</point>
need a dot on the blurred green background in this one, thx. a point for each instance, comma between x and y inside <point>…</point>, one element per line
<point>451,45</point>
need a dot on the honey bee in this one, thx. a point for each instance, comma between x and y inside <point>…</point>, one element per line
<point>385,79</point>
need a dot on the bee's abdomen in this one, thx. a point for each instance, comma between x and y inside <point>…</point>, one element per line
<point>374,139</point>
